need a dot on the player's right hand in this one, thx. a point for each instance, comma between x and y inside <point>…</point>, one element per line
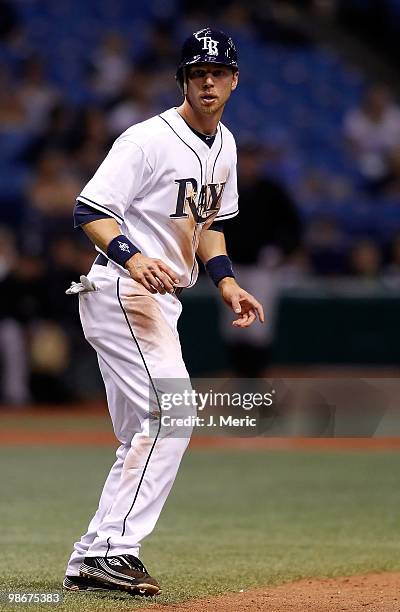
<point>153,274</point>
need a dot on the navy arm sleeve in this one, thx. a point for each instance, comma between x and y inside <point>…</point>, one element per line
<point>85,214</point>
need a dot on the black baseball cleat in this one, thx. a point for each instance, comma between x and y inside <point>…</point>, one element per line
<point>125,572</point>
<point>78,583</point>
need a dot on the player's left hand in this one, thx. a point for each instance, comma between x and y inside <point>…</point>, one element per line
<point>242,303</point>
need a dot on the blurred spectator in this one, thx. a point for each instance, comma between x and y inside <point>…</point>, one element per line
<point>14,371</point>
<point>392,271</point>
<point>389,185</point>
<point>320,185</point>
<point>90,126</point>
<point>280,21</point>
<point>325,9</point>
<point>56,134</point>
<point>71,254</point>
<point>27,282</point>
<point>25,304</point>
<point>237,18</point>
<point>365,260</point>
<point>159,61</point>
<point>12,113</point>
<point>89,141</point>
<point>7,252</point>
<point>327,246</point>
<point>63,268</point>
<point>49,357</point>
<point>39,326</point>
<point>161,51</point>
<point>373,131</point>
<point>37,96</point>
<point>9,19</point>
<point>86,160</point>
<point>374,21</point>
<point>250,356</point>
<point>265,243</point>
<point>199,11</point>
<point>268,215</point>
<point>53,190</point>
<point>134,105</point>
<point>46,341</point>
<point>110,65</point>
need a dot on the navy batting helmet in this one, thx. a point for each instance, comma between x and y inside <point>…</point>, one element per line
<point>207,46</point>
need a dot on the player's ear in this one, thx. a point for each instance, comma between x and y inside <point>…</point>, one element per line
<point>235,80</point>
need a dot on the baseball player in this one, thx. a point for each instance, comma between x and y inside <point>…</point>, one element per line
<point>159,198</point>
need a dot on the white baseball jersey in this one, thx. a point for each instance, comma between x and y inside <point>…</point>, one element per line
<point>164,186</point>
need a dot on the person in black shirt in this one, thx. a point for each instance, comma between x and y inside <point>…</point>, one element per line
<point>269,221</point>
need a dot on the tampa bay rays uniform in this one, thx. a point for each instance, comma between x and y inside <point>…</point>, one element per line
<point>164,185</point>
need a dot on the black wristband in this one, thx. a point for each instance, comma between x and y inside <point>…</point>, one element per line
<point>121,249</point>
<point>218,268</point>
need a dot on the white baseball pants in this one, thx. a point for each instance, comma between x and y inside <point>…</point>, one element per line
<point>135,336</point>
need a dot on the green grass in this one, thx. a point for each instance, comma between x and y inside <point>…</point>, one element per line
<point>234,520</point>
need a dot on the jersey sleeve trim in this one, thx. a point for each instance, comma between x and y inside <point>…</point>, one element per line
<point>101,208</point>
<point>227,215</point>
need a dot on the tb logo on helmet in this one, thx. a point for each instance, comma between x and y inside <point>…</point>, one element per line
<point>209,44</point>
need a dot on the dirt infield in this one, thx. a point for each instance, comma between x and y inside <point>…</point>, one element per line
<point>370,593</point>
<point>16,437</point>
<point>46,426</point>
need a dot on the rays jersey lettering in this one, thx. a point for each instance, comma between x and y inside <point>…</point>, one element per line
<point>207,204</point>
